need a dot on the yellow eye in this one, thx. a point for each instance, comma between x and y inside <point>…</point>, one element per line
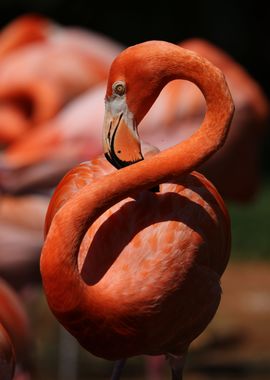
<point>119,88</point>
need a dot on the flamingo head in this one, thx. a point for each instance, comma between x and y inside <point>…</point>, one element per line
<point>136,78</point>
<point>120,136</point>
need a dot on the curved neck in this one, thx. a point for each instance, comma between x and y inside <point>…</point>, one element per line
<point>162,63</point>
<point>66,291</point>
<point>178,63</point>
<point>174,62</point>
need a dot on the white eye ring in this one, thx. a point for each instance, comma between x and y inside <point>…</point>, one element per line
<point>119,88</point>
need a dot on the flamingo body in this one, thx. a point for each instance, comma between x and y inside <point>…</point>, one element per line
<point>159,249</point>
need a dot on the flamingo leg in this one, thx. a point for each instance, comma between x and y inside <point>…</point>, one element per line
<point>117,369</point>
<point>154,367</point>
<point>177,366</point>
<point>68,356</point>
<point>177,374</point>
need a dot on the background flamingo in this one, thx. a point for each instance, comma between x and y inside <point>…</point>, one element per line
<point>15,322</point>
<point>7,355</point>
<point>22,31</point>
<point>186,226</point>
<point>45,154</point>
<point>39,78</point>
<point>21,224</point>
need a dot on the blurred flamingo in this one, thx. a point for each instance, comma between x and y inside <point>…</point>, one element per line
<point>21,31</point>
<point>47,152</point>
<point>15,326</point>
<point>73,136</point>
<point>7,355</point>
<point>39,78</point>
<point>141,275</point>
<point>21,237</point>
<point>21,224</point>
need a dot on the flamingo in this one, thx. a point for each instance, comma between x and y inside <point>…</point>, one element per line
<point>23,30</point>
<point>7,355</point>
<point>39,78</point>
<point>46,153</point>
<point>21,223</point>
<point>15,335</point>
<point>133,258</point>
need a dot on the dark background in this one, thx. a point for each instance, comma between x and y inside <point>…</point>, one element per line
<point>240,28</point>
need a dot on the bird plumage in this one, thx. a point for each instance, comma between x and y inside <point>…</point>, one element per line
<point>155,248</point>
<point>126,270</point>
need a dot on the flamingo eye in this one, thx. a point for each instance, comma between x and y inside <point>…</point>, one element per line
<point>119,88</point>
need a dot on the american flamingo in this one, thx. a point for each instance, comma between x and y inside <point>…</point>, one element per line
<point>39,78</point>
<point>7,355</point>
<point>133,258</point>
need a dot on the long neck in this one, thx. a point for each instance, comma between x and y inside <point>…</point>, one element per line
<point>67,294</point>
<point>172,62</point>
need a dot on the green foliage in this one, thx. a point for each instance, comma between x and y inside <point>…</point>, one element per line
<point>251,227</point>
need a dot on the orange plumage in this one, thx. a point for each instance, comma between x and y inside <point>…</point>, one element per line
<point>128,271</point>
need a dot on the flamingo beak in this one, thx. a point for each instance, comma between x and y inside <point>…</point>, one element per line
<point>121,142</point>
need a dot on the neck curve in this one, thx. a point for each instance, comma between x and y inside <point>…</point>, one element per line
<point>67,294</point>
